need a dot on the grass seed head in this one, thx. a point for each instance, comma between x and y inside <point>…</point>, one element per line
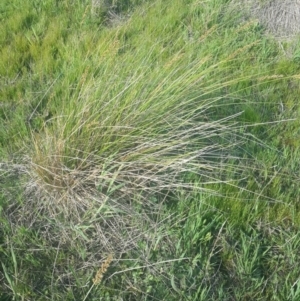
<point>102,270</point>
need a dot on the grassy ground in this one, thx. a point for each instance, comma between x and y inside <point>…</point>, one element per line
<point>149,150</point>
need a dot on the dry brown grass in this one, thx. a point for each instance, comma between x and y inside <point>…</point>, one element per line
<point>281,18</point>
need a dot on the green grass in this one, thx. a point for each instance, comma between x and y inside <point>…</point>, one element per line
<point>164,134</point>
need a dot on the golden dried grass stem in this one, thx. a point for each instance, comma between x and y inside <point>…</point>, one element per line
<point>102,270</point>
<point>99,275</point>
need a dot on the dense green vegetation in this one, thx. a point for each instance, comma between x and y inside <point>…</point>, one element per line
<point>149,150</point>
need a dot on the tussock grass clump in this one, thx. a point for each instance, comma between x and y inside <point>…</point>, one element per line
<point>129,134</point>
